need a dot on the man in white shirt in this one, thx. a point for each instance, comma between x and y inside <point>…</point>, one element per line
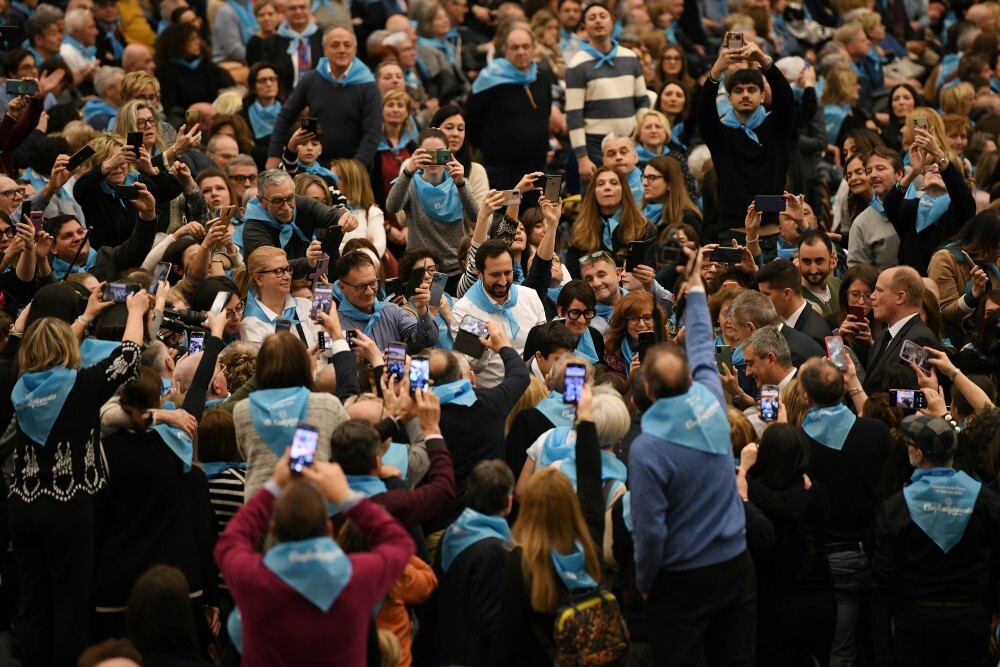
<point>79,47</point>
<point>495,298</point>
<point>769,361</point>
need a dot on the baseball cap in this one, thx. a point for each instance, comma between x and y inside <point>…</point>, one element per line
<point>931,435</point>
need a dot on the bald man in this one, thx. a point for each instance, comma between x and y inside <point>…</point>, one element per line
<point>138,58</point>
<point>899,292</point>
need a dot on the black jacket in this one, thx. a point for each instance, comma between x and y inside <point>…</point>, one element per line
<point>801,346</point>
<point>813,325</point>
<point>510,123</point>
<point>310,215</point>
<point>914,330</point>
<point>275,50</point>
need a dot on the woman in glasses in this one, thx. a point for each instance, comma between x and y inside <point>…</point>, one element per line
<point>261,106</point>
<point>633,315</point>
<point>269,302</point>
<point>577,307</point>
<point>667,201</point>
<point>859,333</point>
<point>652,139</point>
<point>607,221</point>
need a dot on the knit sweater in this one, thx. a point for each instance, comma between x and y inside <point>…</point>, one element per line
<point>873,241</point>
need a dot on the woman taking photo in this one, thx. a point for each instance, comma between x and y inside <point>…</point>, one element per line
<point>269,299</point>
<point>399,140</point>
<point>357,188</point>
<point>667,200</point>
<point>261,106</point>
<point>451,120</point>
<point>435,198</point>
<point>982,353</point>
<point>651,138</point>
<point>633,315</point>
<point>57,469</point>
<point>856,290</point>
<point>607,221</point>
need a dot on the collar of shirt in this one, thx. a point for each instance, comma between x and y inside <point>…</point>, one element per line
<point>895,328</point>
<point>794,317</point>
<point>788,378</point>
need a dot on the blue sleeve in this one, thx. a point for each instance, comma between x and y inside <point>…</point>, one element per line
<point>701,344</point>
<point>649,512</point>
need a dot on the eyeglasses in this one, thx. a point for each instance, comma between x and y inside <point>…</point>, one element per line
<point>279,272</point>
<point>651,177</point>
<point>430,268</point>
<point>267,79</point>
<point>243,178</point>
<point>148,99</point>
<point>11,194</point>
<point>280,201</point>
<point>596,257</point>
<point>9,232</point>
<point>855,295</point>
<point>233,313</point>
<point>645,319</point>
<point>363,287</point>
<point>143,123</point>
<point>575,313</point>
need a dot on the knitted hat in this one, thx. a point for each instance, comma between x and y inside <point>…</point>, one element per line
<point>931,435</point>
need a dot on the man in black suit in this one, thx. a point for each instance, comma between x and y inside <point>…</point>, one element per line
<point>297,46</point>
<point>751,310</point>
<point>781,282</point>
<point>896,301</point>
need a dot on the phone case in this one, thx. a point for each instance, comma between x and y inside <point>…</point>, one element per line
<point>469,344</point>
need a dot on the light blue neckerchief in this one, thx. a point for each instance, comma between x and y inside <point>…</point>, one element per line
<point>276,413</point>
<point>572,569</point>
<point>930,209</point>
<point>608,227</point>
<point>357,73</point>
<point>317,569</point>
<point>601,58</point>
<point>612,470</point>
<point>676,132</point>
<point>502,72</point>
<point>294,38</point>
<point>756,119</point>
<point>694,419</point>
<point>369,485</point>
<point>557,446</point>
<point>178,441</point>
<point>408,136</point>
<point>585,347</point>
<point>285,230</point>
<point>829,426</point>
<point>627,353</point>
<point>948,66</point>
<point>397,455</point>
<point>130,178</point>
<point>98,107</point>
<point>167,384</point>
<point>248,22</point>
<point>635,185</point>
<point>262,118</point>
<point>350,310</point>
<point>472,527</point>
<point>876,204</point>
<point>834,115</point>
<point>38,399</point>
<point>444,328</point>
<point>941,501</point>
<point>441,202</point>
<point>89,52</point>
<point>645,155</point>
<point>566,39</point>
<point>556,410</point>
<point>477,295</point>
<point>60,267</point>
<point>319,170</point>
<point>94,351</point>
<point>654,213</point>
<point>213,468</point>
<point>786,251</point>
<point>234,626</point>
<point>254,309</point>
<point>627,511</point>
<point>433,43</point>
<point>191,64</point>
<point>459,392</point>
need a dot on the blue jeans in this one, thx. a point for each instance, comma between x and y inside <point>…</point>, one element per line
<point>853,586</point>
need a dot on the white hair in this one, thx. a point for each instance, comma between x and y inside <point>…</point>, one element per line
<point>77,18</point>
<point>614,136</point>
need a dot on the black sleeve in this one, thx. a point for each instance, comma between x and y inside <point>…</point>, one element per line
<point>539,277</point>
<point>588,479</point>
<point>204,530</point>
<point>516,444</point>
<point>194,400</point>
<point>760,531</point>
<point>345,367</point>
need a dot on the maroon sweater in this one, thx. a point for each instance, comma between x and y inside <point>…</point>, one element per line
<point>280,627</point>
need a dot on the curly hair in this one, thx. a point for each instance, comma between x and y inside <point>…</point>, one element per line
<point>170,44</point>
<point>630,305</point>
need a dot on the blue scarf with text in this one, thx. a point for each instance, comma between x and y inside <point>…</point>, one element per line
<point>459,392</point>
<point>930,209</point>
<point>276,413</point>
<point>441,201</point>
<point>694,419</point>
<point>38,399</point>
<point>178,441</point>
<point>829,426</point>
<point>941,501</point>
<point>556,410</point>
<point>317,569</point>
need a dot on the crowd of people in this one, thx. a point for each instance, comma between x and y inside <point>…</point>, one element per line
<point>448,333</point>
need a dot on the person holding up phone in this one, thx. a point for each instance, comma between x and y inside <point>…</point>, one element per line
<point>269,299</point>
<point>22,118</point>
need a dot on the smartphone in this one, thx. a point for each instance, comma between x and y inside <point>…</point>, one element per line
<point>769,402</point>
<point>116,292</point>
<point>553,187</point>
<point>724,356</point>
<point>727,255</point>
<point>25,211</point>
<point>322,269</point>
<point>221,299</point>
<point>323,342</point>
<point>506,231</point>
<point>647,339</point>
<point>281,324</point>
<point>511,197</point>
<point>576,375</point>
<point>770,203</point>
<point>127,191</point>
<point>393,286</point>
<point>196,342</point>
<point>134,140</point>
<point>161,272</point>
<point>438,284</point>
<point>420,374</point>
<point>37,217</point>
<point>226,215</point>
<point>858,312</point>
<point>192,118</point>
<point>912,353</point>
<point>350,335</point>
<point>303,449</point>
<point>395,360</point>
<point>835,351</point>
<point>467,340</point>
<point>440,157</point>
<point>322,297</point>
<point>329,236</point>
<point>417,275</point>
<point>79,158</point>
<point>638,254</point>
<point>734,41</point>
<point>908,399</point>
<point>309,124</point>
<point>920,122</point>
<point>17,87</point>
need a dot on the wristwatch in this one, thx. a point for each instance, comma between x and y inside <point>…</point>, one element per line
<point>738,398</point>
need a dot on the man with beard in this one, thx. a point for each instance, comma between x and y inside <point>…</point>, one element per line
<point>873,239</point>
<point>495,298</point>
<point>817,261</point>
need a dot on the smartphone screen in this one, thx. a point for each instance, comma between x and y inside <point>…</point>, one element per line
<point>395,360</point>
<point>647,339</point>
<point>323,342</point>
<point>281,324</point>
<point>115,292</point>
<point>196,342</point>
<point>160,273</point>
<point>727,255</point>
<point>769,402</point>
<point>135,141</point>
<point>323,296</point>
<point>576,375</point>
<point>474,326</point>
<point>221,299</point>
<point>553,187</point>
<point>303,449</point>
<point>908,399</point>
<point>912,353</point>
<point>835,350</point>
<point>420,373</point>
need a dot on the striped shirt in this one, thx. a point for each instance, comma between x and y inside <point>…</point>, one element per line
<point>602,100</point>
<point>225,493</point>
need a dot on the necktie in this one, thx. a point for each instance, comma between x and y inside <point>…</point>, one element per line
<point>886,342</point>
<point>304,62</point>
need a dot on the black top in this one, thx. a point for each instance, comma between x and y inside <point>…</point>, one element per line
<point>812,324</point>
<point>524,430</point>
<point>510,123</point>
<point>801,346</point>
<point>914,330</point>
<point>181,87</point>
<point>851,476</point>
<point>310,214</point>
<point>618,250</point>
<point>274,50</point>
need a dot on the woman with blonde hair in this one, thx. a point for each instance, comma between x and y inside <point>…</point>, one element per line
<point>545,26</point>
<point>840,105</point>
<point>667,199</point>
<point>57,470</point>
<point>269,299</point>
<point>357,187</point>
<point>607,220</point>
<point>652,139</point>
<point>399,141</point>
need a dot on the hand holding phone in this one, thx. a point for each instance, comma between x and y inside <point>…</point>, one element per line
<point>836,352</point>
<point>303,450</point>
<point>576,376</point>
<point>912,353</point>
<point>395,360</point>
<point>769,403</point>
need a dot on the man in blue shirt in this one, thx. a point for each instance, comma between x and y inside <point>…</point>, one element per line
<point>692,564</point>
